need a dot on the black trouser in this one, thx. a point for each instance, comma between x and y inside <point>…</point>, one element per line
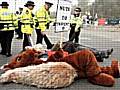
<point>26,41</point>
<point>74,35</point>
<point>40,37</point>
<point>0,36</point>
<point>71,47</point>
<point>6,41</point>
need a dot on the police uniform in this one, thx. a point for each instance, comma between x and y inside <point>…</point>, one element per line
<point>42,19</point>
<point>27,22</point>
<point>8,21</point>
<point>76,24</point>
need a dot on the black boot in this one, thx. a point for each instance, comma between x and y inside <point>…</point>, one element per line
<point>107,53</point>
<point>48,43</point>
<point>2,53</point>
<point>101,55</point>
<point>50,46</point>
<point>8,54</point>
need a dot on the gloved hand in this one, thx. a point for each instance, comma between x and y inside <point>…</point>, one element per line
<point>32,15</point>
<point>50,21</point>
<point>54,24</point>
<point>1,26</point>
<point>37,24</point>
<point>19,23</point>
<point>31,25</point>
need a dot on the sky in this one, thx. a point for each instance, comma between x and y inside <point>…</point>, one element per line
<point>15,4</point>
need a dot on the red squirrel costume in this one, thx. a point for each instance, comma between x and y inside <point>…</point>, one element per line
<point>83,61</point>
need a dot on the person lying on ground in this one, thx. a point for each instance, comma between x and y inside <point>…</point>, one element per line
<point>84,62</point>
<point>71,47</point>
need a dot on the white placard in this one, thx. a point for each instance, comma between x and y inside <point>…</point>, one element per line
<point>63,15</point>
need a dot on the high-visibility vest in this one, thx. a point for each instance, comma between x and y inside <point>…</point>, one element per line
<point>27,21</point>
<point>78,21</point>
<point>42,17</point>
<point>8,20</point>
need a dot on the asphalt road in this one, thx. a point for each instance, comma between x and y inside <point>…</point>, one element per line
<point>100,39</point>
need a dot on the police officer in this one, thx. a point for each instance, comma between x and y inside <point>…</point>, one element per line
<point>7,27</point>
<point>27,21</point>
<point>76,24</point>
<point>42,19</point>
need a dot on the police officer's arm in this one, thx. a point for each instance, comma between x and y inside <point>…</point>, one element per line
<point>79,23</point>
<point>15,20</point>
<point>40,15</point>
<point>43,16</point>
<point>36,23</point>
<point>71,19</point>
<point>21,15</point>
<point>49,19</point>
<point>1,25</point>
<point>41,19</point>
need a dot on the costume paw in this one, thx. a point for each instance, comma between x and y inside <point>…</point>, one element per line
<point>116,68</point>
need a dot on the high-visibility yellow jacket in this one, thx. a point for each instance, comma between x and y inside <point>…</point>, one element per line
<point>27,21</point>
<point>76,20</point>
<point>42,17</point>
<point>8,20</point>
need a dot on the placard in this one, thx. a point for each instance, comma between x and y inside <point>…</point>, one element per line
<point>63,16</point>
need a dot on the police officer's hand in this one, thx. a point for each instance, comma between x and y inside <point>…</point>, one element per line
<point>32,15</point>
<point>72,25</point>
<point>50,21</point>
<point>54,24</point>
<point>37,24</point>
<point>19,23</point>
<point>31,25</point>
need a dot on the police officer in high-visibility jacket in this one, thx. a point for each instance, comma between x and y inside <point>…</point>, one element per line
<point>27,21</point>
<point>42,19</point>
<point>8,21</point>
<point>76,24</point>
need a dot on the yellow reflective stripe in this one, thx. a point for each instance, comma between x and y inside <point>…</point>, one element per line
<point>26,23</point>
<point>5,26</point>
<point>42,21</point>
<point>9,20</point>
<point>26,19</point>
<point>8,23</point>
<point>8,28</point>
<point>41,17</point>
